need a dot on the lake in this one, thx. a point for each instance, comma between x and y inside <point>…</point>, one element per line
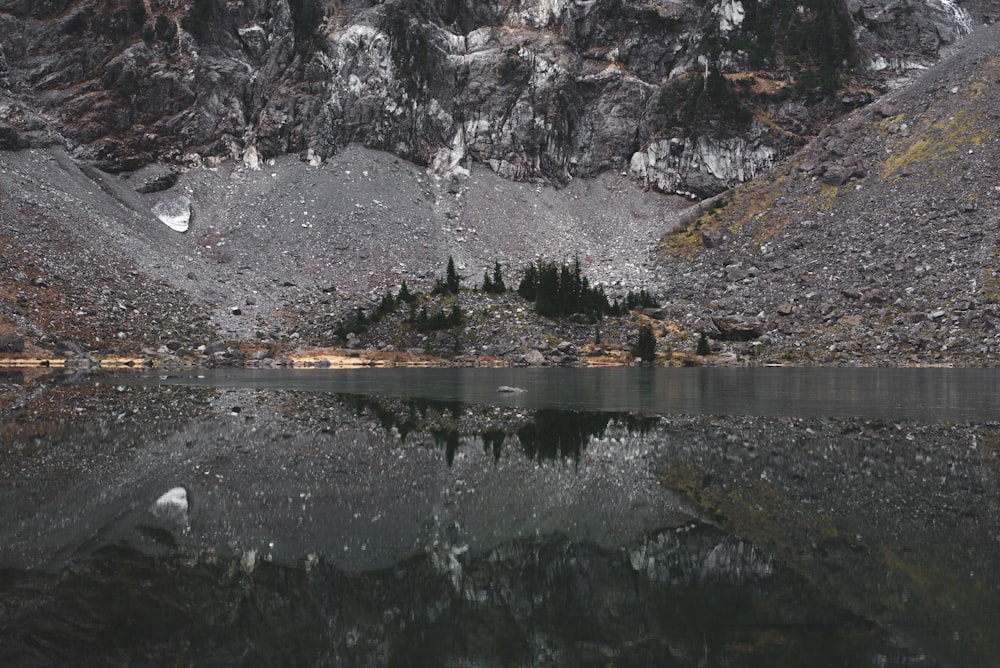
<point>405,517</point>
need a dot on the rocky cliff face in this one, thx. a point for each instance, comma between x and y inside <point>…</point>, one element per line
<point>535,89</point>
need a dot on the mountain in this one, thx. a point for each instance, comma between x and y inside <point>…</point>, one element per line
<point>876,243</point>
<point>320,153</point>
<point>694,96</point>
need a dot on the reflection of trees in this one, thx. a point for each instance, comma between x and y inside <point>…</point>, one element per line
<point>547,434</point>
<point>556,434</point>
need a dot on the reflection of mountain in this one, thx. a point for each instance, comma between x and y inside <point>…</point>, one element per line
<point>685,597</point>
<point>547,434</point>
<point>895,521</point>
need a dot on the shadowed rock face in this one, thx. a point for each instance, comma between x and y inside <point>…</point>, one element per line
<point>534,89</point>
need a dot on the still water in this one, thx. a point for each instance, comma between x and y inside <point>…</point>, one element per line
<point>626,517</point>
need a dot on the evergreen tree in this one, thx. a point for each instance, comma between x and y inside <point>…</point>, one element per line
<point>716,87</point>
<point>645,347</point>
<point>457,316</point>
<point>703,347</point>
<point>452,280</point>
<point>487,282</point>
<point>385,307</point>
<point>498,284</point>
<point>404,294</point>
<point>528,288</point>
<point>547,301</point>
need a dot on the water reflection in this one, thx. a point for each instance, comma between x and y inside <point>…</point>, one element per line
<point>342,528</point>
<point>545,434</point>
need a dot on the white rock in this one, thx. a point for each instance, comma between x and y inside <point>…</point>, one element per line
<point>251,158</point>
<point>173,505</point>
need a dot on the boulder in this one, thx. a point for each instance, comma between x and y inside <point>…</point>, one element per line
<point>737,328</point>
<point>534,358</point>
<point>11,343</point>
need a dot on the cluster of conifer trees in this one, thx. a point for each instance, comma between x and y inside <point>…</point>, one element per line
<point>561,291</point>
<point>558,291</point>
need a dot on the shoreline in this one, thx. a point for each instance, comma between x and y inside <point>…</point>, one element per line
<point>322,358</point>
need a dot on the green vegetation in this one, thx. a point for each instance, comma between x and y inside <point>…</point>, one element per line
<point>451,283</point>
<point>703,347</point>
<point>307,18</point>
<point>562,291</point>
<point>166,30</point>
<point>641,299</point>
<point>813,39</point>
<point>440,319</point>
<point>817,33</point>
<point>77,24</point>
<point>934,142</point>
<point>557,291</point>
<point>645,346</point>
<point>494,285</point>
<point>405,296</point>
<point>137,12</point>
<point>421,320</point>
<point>687,101</point>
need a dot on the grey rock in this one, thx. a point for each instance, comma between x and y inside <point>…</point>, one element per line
<point>737,328</point>
<point>534,89</point>
<point>11,343</point>
<point>534,358</point>
<point>566,348</point>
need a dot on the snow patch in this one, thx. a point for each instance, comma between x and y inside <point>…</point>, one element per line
<point>174,213</point>
<point>731,14</point>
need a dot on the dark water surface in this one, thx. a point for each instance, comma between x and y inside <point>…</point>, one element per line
<point>898,394</point>
<point>626,517</point>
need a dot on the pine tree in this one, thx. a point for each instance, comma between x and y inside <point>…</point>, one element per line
<point>487,282</point>
<point>703,347</point>
<point>547,301</point>
<point>452,280</point>
<point>498,284</point>
<point>528,287</point>
<point>457,316</point>
<point>385,307</point>
<point>645,347</point>
<point>404,294</point>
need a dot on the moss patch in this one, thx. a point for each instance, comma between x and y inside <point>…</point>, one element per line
<point>935,143</point>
